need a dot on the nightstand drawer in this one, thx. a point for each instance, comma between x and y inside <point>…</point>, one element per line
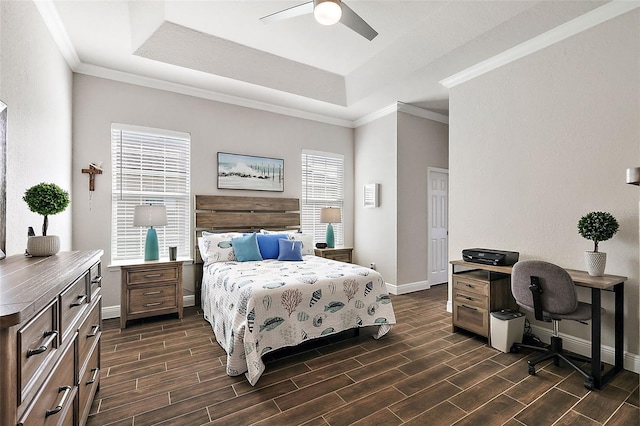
<point>152,275</point>
<point>151,298</point>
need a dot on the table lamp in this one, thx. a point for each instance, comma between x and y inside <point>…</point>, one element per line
<point>149,215</point>
<point>330,215</point>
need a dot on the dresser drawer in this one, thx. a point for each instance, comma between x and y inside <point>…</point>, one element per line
<point>95,281</point>
<point>56,397</point>
<point>38,343</point>
<point>89,332</point>
<point>472,299</point>
<point>471,285</point>
<point>152,298</point>
<point>88,382</point>
<point>152,275</point>
<point>73,302</point>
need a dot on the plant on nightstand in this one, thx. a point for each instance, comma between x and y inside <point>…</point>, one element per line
<point>598,227</point>
<point>45,199</point>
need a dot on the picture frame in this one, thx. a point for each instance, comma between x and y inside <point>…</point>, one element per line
<point>370,195</point>
<point>249,172</point>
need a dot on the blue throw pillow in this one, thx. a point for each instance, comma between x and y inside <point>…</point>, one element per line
<point>290,249</point>
<point>268,244</point>
<point>246,248</point>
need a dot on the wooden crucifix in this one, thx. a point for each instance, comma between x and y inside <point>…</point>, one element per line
<point>93,170</point>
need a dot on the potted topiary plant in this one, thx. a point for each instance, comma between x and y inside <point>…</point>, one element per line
<point>45,199</point>
<point>598,227</point>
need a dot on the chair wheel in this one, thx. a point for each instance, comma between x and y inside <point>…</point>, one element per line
<point>514,349</point>
<point>532,370</point>
<point>589,384</point>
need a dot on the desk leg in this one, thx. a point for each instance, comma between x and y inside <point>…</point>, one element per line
<point>596,337</point>
<point>602,379</point>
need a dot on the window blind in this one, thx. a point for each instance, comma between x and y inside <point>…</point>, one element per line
<point>150,166</point>
<point>322,186</point>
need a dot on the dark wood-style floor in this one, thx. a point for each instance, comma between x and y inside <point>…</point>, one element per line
<point>172,372</point>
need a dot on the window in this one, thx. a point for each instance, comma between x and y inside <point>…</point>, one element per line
<point>322,186</point>
<point>150,166</point>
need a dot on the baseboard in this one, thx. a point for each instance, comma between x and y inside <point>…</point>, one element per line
<point>407,288</point>
<point>631,361</point>
<point>449,306</point>
<point>109,312</point>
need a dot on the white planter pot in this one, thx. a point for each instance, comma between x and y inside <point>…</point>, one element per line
<point>595,262</point>
<point>43,245</point>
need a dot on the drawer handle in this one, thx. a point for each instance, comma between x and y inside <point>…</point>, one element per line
<point>94,331</point>
<point>468,298</point>
<point>146,305</point>
<point>469,307</point>
<point>469,285</point>
<point>149,293</point>
<point>93,376</point>
<point>80,301</point>
<point>153,275</point>
<point>96,280</point>
<point>58,408</point>
<point>50,335</point>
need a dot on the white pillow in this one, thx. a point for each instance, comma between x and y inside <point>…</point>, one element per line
<point>307,242</point>
<point>217,247</point>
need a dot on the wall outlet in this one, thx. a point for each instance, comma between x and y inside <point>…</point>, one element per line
<point>372,265</point>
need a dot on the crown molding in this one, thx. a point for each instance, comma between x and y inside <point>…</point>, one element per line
<point>401,107</point>
<point>375,115</point>
<point>421,112</point>
<point>575,26</point>
<point>56,29</point>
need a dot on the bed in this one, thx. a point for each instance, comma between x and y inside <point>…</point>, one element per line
<point>258,306</point>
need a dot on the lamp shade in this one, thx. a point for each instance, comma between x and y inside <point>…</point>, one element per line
<point>330,215</point>
<point>149,215</point>
<point>327,12</point>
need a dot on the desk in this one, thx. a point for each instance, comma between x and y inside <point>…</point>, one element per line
<point>597,285</point>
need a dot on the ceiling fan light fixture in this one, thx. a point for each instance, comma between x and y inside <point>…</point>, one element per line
<point>327,12</point>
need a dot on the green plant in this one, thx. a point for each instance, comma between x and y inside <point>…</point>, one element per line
<point>598,226</point>
<point>46,199</point>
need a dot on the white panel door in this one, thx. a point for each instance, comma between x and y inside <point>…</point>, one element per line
<point>438,216</point>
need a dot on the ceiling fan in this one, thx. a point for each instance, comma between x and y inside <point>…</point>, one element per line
<point>326,12</point>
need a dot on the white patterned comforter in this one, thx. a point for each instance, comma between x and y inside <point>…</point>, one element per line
<point>257,307</point>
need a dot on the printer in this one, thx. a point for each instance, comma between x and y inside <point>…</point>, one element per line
<point>490,256</point>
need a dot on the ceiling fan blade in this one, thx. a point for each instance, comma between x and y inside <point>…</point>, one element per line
<point>356,23</point>
<point>301,9</point>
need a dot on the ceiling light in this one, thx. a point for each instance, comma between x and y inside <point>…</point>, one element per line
<point>327,12</point>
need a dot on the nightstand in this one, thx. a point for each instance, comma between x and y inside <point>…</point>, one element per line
<point>342,254</point>
<point>150,288</point>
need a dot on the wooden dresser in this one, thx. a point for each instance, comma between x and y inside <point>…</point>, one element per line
<point>50,328</point>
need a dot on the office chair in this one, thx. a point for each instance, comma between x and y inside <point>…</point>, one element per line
<point>548,291</point>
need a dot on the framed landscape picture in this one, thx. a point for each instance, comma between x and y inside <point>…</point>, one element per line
<point>237,171</point>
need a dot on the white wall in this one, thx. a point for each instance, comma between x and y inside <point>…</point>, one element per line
<point>422,143</point>
<point>375,237</point>
<point>536,144</point>
<point>213,127</point>
<point>36,85</point>
<point>396,151</point>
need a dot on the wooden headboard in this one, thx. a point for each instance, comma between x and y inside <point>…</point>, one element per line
<point>224,213</point>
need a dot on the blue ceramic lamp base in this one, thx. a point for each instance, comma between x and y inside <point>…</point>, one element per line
<point>151,251</point>
<point>330,238</point>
